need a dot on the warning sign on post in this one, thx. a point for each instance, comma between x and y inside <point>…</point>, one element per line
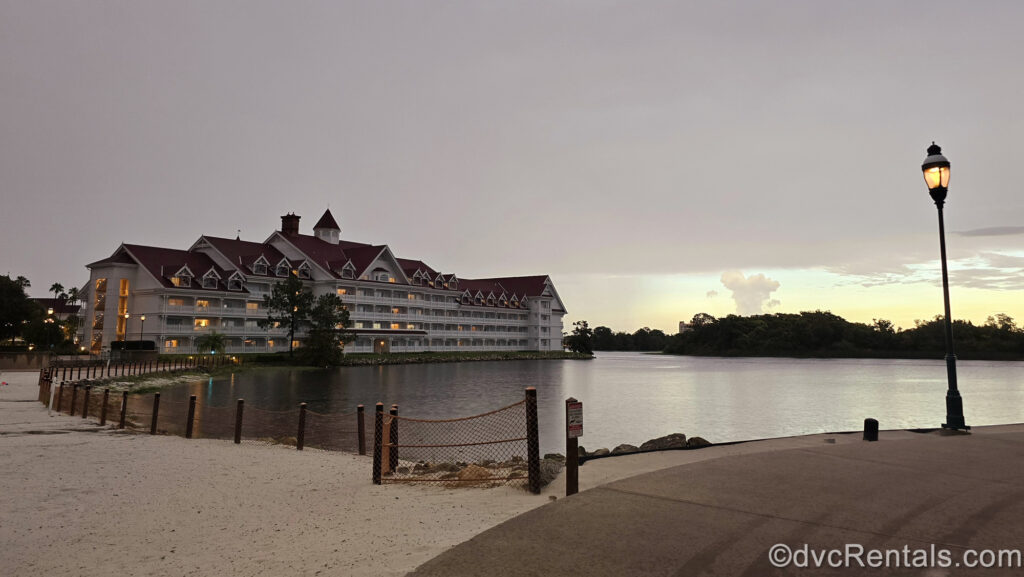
<point>574,418</point>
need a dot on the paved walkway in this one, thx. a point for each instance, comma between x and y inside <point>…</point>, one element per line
<point>722,516</point>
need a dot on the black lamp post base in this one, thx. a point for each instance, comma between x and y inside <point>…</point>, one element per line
<point>955,413</point>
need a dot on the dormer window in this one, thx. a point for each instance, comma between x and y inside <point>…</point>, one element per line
<point>348,272</point>
<point>490,301</point>
<point>209,282</point>
<point>382,275</point>
<point>235,283</point>
<point>465,299</point>
<point>282,269</point>
<point>453,284</point>
<point>259,268</point>
<point>304,271</point>
<point>181,280</point>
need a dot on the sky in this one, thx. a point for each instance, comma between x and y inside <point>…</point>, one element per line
<point>656,159</point>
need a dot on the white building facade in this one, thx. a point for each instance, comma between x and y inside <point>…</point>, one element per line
<point>171,297</point>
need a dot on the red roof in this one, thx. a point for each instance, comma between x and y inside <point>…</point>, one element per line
<point>327,221</point>
<point>163,263</point>
<point>59,306</point>
<point>243,254</point>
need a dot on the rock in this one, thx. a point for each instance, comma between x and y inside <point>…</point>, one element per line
<point>599,453</point>
<point>421,469</point>
<point>473,473</point>
<point>697,442</point>
<point>402,470</point>
<point>625,448</point>
<point>448,467</point>
<point>555,456</point>
<point>673,441</point>
<point>549,470</point>
<point>486,463</point>
<point>581,451</point>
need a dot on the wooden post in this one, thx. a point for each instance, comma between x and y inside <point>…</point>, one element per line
<point>103,409</point>
<point>85,401</point>
<point>532,440</point>
<point>572,455</point>
<point>300,438</point>
<point>52,389</point>
<point>156,410</point>
<point>378,436</point>
<point>60,395</point>
<point>64,373</point>
<point>870,430</point>
<point>238,421</point>
<point>393,439</point>
<point>124,409</point>
<point>74,397</point>
<point>361,429</point>
<point>191,416</point>
<point>79,373</point>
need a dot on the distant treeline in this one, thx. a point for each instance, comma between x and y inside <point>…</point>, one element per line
<point>823,334</point>
<point>644,339</point>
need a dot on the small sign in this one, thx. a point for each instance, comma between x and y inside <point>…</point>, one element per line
<point>574,418</point>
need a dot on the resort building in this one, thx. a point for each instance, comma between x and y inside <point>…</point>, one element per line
<point>171,296</point>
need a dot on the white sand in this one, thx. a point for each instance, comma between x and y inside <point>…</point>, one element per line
<point>86,500</point>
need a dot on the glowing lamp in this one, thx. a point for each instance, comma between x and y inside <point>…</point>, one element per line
<point>936,173</point>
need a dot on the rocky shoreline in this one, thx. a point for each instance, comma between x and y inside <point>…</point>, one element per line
<point>675,441</point>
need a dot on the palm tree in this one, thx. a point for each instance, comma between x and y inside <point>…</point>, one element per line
<point>23,282</point>
<point>213,342</point>
<point>56,288</point>
<point>73,295</point>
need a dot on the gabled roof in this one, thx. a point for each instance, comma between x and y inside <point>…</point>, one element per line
<point>327,221</point>
<point>410,267</point>
<point>242,254</point>
<point>163,263</point>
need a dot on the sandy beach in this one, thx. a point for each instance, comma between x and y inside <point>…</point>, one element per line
<point>79,499</point>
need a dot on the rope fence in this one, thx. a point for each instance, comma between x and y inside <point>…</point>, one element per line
<point>499,447</point>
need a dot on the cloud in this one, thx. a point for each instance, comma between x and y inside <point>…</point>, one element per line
<point>994,231</point>
<point>750,293</point>
<point>712,294</point>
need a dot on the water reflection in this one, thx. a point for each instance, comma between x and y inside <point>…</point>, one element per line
<point>629,398</point>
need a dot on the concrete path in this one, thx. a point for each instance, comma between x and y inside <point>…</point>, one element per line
<point>904,494</point>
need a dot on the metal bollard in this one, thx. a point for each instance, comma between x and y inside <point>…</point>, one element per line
<point>870,430</point>
<point>300,438</point>
<point>238,421</point>
<point>156,411</point>
<point>191,416</point>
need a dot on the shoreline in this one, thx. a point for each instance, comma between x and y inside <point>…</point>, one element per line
<point>79,499</point>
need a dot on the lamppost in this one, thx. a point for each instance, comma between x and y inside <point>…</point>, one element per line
<point>125,337</point>
<point>936,176</point>
<point>142,326</point>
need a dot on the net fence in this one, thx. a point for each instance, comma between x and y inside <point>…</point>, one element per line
<point>240,423</point>
<point>483,450</point>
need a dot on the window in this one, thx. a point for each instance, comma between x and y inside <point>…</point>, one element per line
<point>171,344</point>
<point>304,271</point>
<point>454,285</point>
<point>201,323</point>
<point>202,304</point>
<point>395,326</point>
<point>348,273</point>
<point>342,291</point>
<point>182,280</point>
<point>252,307</point>
<point>175,302</point>
<point>235,284</point>
<point>259,268</point>
<point>282,269</point>
<point>209,282</point>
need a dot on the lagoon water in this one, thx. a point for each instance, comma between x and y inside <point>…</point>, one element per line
<point>633,397</point>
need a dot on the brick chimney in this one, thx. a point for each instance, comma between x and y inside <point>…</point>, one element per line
<point>290,224</point>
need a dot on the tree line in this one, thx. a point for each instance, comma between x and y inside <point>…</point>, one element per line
<point>823,334</point>
<point>25,323</point>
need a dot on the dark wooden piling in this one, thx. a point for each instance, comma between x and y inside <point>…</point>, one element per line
<point>361,429</point>
<point>60,395</point>
<point>124,409</point>
<point>532,440</point>
<point>74,397</point>
<point>103,409</point>
<point>238,421</point>
<point>393,439</point>
<point>156,411</point>
<point>300,437</point>
<point>191,416</point>
<point>85,401</point>
<point>378,436</point>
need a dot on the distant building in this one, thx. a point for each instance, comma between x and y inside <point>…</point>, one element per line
<point>684,326</point>
<point>60,307</point>
<point>172,296</point>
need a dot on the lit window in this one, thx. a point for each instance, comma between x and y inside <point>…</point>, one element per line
<point>342,291</point>
<point>171,344</point>
<point>202,323</point>
<point>176,302</point>
<point>182,280</point>
<point>295,344</point>
<point>252,307</point>
<point>395,326</point>
<point>202,304</point>
<point>395,310</point>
